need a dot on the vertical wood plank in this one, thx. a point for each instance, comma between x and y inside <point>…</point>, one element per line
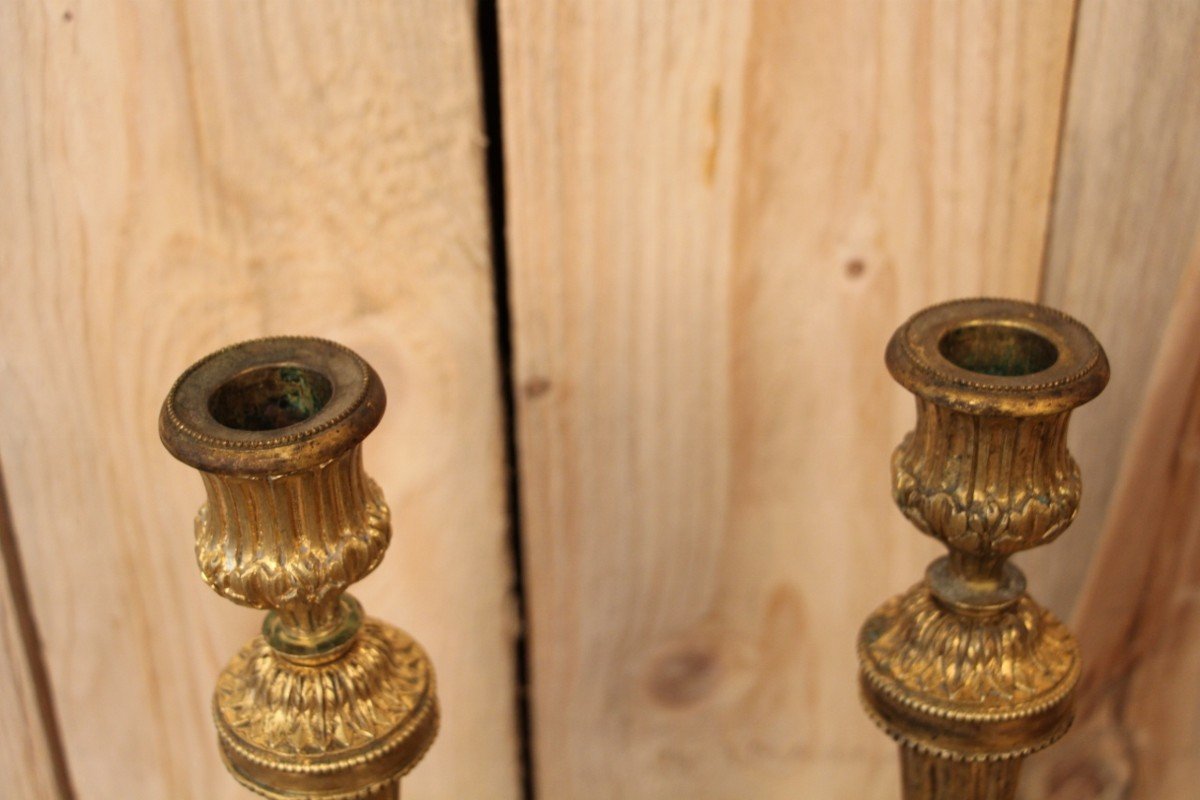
<point>29,759</point>
<point>1123,224</point>
<point>175,177</point>
<point>718,212</point>
<point>25,754</point>
<point>1138,736</point>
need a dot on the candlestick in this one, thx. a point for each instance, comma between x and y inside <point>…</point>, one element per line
<point>965,670</point>
<point>326,703</point>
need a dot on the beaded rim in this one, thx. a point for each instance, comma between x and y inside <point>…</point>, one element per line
<point>320,421</point>
<point>1077,374</point>
<point>998,384</point>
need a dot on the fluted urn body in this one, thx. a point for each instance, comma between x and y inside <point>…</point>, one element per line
<point>965,670</point>
<point>326,703</point>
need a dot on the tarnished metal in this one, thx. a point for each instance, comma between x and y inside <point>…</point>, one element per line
<point>327,703</point>
<point>965,670</point>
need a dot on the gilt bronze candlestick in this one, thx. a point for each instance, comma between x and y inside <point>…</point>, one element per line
<point>327,703</point>
<point>965,670</point>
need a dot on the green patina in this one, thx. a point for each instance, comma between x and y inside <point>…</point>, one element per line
<point>1003,350</point>
<point>267,398</point>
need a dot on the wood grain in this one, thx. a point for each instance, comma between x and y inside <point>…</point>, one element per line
<point>1139,616</point>
<point>1127,198</point>
<point>718,212</point>
<point>175,177</point>
<point>30,759</point>
<point>25,755</point>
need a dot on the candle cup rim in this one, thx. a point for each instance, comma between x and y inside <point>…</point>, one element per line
<point>192,433</point>
<point>1063,365</point>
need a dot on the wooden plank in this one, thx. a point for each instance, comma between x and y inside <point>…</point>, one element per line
<point>30,761</point>
<point>1124,218</point>
<point>25,754</point>
<point>718,212</point>
<point>1139,615</point>
<point>177,176</point>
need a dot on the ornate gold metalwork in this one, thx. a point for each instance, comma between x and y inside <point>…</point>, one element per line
<point>965,670</point>
<point>326,703</point>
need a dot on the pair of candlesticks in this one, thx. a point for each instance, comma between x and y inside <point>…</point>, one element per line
<point>965,670</point>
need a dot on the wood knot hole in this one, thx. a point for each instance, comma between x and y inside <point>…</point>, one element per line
<point>536,387</point>
<point>684,677</point>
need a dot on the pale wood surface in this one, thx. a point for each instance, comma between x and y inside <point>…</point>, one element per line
<point>1138,621</point>
<point>1126,205</point>
<point>175,177</point>
<point>718,213</point>
<point>27,755</point>
<point>26,760</point>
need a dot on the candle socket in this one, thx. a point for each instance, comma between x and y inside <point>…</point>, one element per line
<point>965,670</point>
<point>326,703</point>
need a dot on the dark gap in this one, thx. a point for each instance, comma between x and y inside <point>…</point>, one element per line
<point>1060,146</point>
<point>32,644</point>
<point>488,35</point>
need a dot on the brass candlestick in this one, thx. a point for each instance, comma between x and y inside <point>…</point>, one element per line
<point>965,670</point>
<point>327,703</point>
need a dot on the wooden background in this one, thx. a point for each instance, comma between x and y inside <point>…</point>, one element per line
<point>714,214</point>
